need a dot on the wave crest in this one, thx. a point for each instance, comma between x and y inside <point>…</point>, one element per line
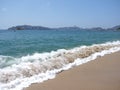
<point>43,66</point>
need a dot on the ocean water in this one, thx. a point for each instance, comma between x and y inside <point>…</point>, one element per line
<point>33,56</point>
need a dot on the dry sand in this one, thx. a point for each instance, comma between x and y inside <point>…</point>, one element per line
<point>100,74</point>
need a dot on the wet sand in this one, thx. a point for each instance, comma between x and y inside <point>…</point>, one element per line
<point>100,74</point>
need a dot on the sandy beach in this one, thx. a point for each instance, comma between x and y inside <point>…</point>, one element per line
<point>100,74</point>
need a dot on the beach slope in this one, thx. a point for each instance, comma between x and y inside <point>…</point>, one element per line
<point>100,74</point>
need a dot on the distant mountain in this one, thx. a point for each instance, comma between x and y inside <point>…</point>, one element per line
<point>116,27</point>
<point>68,28</point>
<point>28,27</point>
<point>96,28</point>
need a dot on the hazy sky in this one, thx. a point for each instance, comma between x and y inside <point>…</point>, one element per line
<point>56,13</point>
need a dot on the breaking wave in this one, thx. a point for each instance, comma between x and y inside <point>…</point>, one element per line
<point>18,73</point>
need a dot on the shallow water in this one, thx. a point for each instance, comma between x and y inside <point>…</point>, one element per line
<point>34,56</point>
<point>23,42</point>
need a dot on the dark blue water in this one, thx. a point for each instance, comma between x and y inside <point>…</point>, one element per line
<point>24,42</point>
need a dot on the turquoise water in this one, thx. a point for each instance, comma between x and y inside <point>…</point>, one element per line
<point>33,56</point>
<point>21,43</point>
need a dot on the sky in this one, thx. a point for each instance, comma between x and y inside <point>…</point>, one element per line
<point>60,13</point>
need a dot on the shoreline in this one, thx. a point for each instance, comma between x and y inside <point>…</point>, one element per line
<point>100,74</point>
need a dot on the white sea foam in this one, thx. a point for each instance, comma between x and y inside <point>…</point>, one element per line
<point>19,73</point>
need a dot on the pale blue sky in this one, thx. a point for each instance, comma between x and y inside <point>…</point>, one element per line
<point>56,13</point>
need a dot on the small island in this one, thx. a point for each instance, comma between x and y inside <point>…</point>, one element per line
<point>28,27</point>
